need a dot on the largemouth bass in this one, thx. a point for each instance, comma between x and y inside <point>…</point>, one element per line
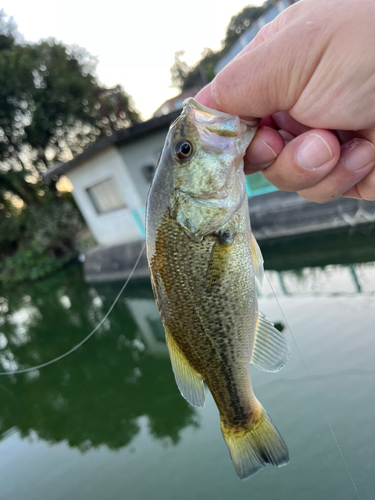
<point>203,262</point>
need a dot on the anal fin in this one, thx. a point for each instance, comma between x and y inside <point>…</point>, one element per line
<point>271,348</point>
<point>188,380</point>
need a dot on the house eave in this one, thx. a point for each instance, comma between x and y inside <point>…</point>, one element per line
<point>121,137</point>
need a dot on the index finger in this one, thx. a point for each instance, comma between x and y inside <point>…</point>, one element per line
<point>204,97</point>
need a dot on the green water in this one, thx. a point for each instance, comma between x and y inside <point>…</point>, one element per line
<point>108,422</point>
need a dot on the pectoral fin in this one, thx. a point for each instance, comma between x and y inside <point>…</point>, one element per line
<point>218,259</point>
<point>189,381</point>
<point>271,348</point>
<point>257,259</point>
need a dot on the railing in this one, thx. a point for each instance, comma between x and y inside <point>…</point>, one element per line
<point>139,218</point>
<point>257,185</point>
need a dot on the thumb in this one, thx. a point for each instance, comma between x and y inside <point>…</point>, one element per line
<point>270,74</point>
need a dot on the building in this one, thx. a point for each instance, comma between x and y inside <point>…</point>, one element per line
<point>111,180</point>
<point>272,8</point>
<point>175,103</point>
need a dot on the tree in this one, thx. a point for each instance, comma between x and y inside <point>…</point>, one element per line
<point>185,76</point>
<point>240,23</point>
<point>52,107</point>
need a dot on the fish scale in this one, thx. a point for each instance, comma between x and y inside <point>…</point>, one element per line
<point>203,262</point>
<point>192,315</point>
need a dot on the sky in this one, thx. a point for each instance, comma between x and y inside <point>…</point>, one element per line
<point>134,40</point>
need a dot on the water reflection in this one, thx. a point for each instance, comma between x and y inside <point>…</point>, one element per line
<point>328,280</point>
<point>100,421</point>
<point>97,395</point>
<point>147,317</point>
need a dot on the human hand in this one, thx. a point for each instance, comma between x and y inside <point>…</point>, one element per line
<point>310,76</point>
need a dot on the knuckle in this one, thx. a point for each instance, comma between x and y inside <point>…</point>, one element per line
<point>273,27</point>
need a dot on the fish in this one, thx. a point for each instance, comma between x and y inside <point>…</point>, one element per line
<point>204,263</point>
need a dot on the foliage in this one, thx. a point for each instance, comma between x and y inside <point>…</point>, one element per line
<point>11,229</point>
<point>240,23</point>
<point>51,108</point>
<point>185,76</point>
<point>30,263</point>
<point>47,241</point>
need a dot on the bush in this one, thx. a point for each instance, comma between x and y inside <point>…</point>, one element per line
<point>47,244</point>
<point>53,226</point>
<point>30,263</point>
<point>10,231</point>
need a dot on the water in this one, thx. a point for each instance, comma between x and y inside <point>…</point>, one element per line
<point>108,422</point>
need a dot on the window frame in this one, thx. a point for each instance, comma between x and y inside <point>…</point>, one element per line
<point>91,196</point>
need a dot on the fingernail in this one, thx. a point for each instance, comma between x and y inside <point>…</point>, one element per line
<point>357,154</point>
<point>313,152</point>
<point>260,152</point>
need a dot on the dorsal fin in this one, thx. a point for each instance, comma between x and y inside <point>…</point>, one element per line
<point>271,348</point>
<point>189,381</point>
<point>257,259</point>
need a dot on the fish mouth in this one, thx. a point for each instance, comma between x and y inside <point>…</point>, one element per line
<point>197,105</point>
<point>220,192</point>
<point>220,199</point>
<point>214,199</point>
<point>212,202</point>
<point>226,200</point>
<point>208,199</point>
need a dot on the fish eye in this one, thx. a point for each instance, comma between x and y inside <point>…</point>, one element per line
<point>183,149</point>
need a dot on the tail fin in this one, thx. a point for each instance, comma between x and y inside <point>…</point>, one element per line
<point>253,447</point>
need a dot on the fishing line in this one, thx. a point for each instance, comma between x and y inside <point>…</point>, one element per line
<point>311,377</point>
<point>54,360</point>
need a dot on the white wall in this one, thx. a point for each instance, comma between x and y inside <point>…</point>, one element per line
<point>145,151</point>
<point>118,226</point>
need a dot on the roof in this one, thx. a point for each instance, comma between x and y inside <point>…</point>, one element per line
<point>175,103</point>
<point>121,137</point>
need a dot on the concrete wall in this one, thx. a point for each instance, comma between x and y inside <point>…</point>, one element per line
<point>250,33</point>
<point>118,226</point>
<point>140,153</point>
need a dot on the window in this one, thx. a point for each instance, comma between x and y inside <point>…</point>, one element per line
<point>106,196</point>
<point>148,172</point>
